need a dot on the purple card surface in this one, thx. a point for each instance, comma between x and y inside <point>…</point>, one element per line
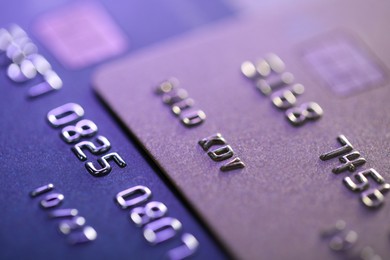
<point>246,120</point>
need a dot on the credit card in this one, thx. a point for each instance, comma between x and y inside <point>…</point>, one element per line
<point>273,127</point>
<point>69,174</point>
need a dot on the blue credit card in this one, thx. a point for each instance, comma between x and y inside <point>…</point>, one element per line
<point>69,172</point>
<point>131,129</point>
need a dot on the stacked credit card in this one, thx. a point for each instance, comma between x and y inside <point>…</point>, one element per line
<point>174,130</point>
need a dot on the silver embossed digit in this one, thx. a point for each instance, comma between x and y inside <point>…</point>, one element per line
<point>52,200</point>
<point>284,99</point>
<point>362,180</point>
<point>350,162</point>
<point>345,148</point>
<point>83,128</point>
<point>143,215</point>
<point>65,114</point>
<point>188,248</point>
<point>308,111</point>
<point>161,230</point>
<point>105,166</point>
<point>373,198</point>
<point>104,147</point>
<point>133,196</point>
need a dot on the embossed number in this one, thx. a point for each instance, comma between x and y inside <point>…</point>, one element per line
<point>308,111</point>
<point>83,128</point>
<point>143,215</point>
<point>374,198</point>
<point>65,114</point>
<point>105,166</point>
<point>161,230</point>
<point>361,178</point>
<point>133,196</point>
<point>104,147</point>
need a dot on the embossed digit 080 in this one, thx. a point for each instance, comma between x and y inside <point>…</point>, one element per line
<point>74,128</point>
<point>151,216</point>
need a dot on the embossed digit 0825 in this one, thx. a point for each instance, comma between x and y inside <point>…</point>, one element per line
<point>70,117</point>
<point>105,165</point>
<point>83,128</point>
<point>65,114</point>
<point>104,147</point>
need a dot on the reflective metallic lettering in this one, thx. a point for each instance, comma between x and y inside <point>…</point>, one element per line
<point>42,190</point>
<point>373,198</point>
<point>358,182</point>
<point>68,225</point>
<point>161,230</point>
<point>361,178</point>
<point>83,128</point>
<point>249,69</point>
<point>63,213</point>
<point>193,118</point>
<point>189,247</point>
<point>207,142</point>
<point>71,224</point>
<point>52,200</point>
<point>65,114</point>
<point>157,227</point>
<point>105,166</point>
<point>340,239</point>
<point>345,241</point>
<point>275,62</point>
<point>23,62</point>
<point>86,234</point>
<point>263,67</point>
<point>104,147</point>
<point>234,164</point>
<point>177,98</point>
<point>178,107</point>
<point>143,215</point>
<point>133,196</point>
<point>346,147</point>
<point>268,75</point>
<point>351,161</point>
<point>308,111</point>
<point>222,153</point>
<point>267,86</point>
<point>174,96</point>
<point>284,99</point>
<point>167,86</point>
<point>51,82</point>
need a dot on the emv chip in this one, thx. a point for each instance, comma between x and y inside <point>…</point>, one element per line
<point>80,34</point>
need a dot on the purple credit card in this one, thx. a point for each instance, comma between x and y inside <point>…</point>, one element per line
<point>272,127</point>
